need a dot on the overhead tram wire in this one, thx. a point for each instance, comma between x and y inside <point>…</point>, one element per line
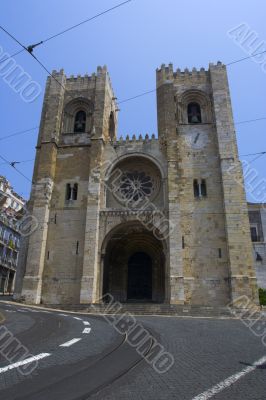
<point>12,55</point>
<point>138,95</point>
<point>253,154</point>
<point>15,168</point>
<point>256,158</point>
<point>245,58</point>
<point>30,48</point>
<point>31,53</point>
<point>19,133</point>
<point>154,90</point>
<point>122,101</point>
<point>85,21</point>
<point>17,162</point>
<point>249,120</point>
<point>228,64</point>
<point>37,127</point>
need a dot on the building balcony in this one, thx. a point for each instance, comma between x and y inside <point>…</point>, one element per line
<point>8,262</point>
<point>9,244</point>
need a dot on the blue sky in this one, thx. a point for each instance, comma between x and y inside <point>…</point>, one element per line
<point>132,41</point>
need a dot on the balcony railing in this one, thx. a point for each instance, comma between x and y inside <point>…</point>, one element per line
<point>9,243</point>
<point>8,262</point>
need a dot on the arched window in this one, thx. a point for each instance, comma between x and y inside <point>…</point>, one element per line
<point>112,126</point>
<point>194,113</point>
<point>80,122</point>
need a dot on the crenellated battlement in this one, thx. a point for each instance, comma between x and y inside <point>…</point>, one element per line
<point>167,72</point>
<point>101,70</point>
<point>77,83</point>
<point>136,139</point>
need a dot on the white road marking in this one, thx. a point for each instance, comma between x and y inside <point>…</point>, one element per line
<point>229,381</point>
<point>70,342</point>
<point>86,330</point>
<point>10,311</point>
<point>22,311</point>
<point>79,319</point>
<point>31,310</point>
<point>63,315</point>
<point>26,361</point>
<point>86,323</point>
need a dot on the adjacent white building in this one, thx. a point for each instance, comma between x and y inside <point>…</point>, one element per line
<point>257,218</point>
<point>11,210</point>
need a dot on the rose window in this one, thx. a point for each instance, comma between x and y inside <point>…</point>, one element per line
<point>135,186</point>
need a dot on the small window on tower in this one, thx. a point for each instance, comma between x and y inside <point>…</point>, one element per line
<point>203,188</point>
<point>196,188</point>
<point>200,188</point>
<point>112,126</point>
<point>80,122</point>
<point>194,113</point>
<point>254,234</point>
<point>68,191</point>
<point>75,192</point>
<point>71,191</point>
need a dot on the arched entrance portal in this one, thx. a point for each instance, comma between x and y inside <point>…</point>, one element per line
<point>134,265</point>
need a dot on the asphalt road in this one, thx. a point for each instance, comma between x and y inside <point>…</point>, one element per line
<point>72,356</point>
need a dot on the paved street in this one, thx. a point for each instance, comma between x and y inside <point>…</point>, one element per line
<point>76,356</point>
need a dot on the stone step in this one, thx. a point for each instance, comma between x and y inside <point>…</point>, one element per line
<point>150,309</point>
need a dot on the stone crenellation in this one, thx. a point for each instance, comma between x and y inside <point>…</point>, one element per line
<point>167,73</point>
<point>136,138</point>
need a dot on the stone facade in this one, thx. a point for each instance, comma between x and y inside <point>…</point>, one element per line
<point>257,218</point>
<point>146,219</point>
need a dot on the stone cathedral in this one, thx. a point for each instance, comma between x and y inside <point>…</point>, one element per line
<point>146,219</point>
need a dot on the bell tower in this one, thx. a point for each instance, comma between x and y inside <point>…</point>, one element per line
<point>211,260</point>
<point>78,117</point>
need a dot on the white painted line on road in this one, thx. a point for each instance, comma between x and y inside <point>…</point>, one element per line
<point>70,342</point>
<point>22,311</point>
<point>77,318</point>
<point>86,330</point>
<point>24,362</point>
<point>29,309</point>
<point>64,315</point>
<point>229,381</point>
<point>10,311</point>
<point>46,312</point>
<point>86,323</point>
